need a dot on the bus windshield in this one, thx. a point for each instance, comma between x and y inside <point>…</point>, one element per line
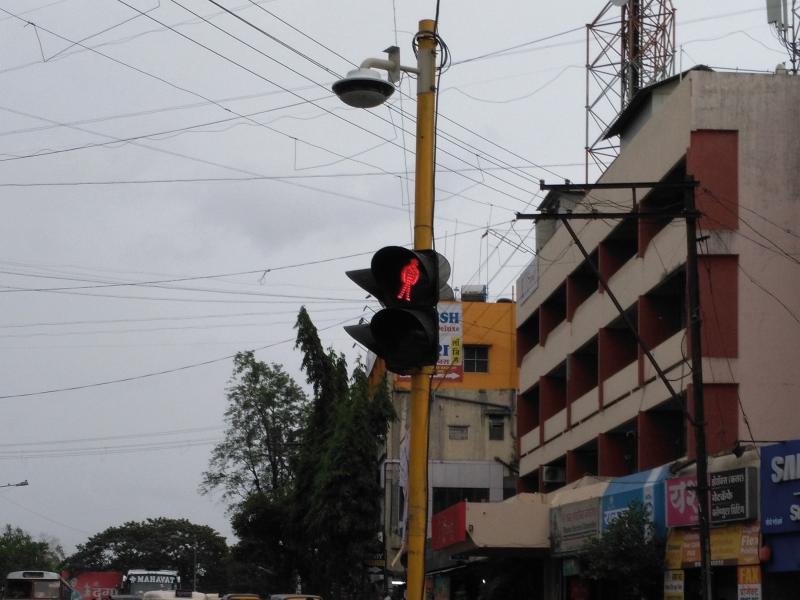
<point>137,588</point>
<point>22,590</point>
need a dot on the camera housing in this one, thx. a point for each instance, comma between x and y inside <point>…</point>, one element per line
<point>363,88</point>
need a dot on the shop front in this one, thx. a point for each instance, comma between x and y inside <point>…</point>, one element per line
<point>735,536</point>
<point>575,518</point>
<point>489,550</point>
<point>780,518</point>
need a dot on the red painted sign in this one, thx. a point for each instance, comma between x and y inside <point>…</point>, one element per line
<point>97,585</point>
<point>449,526</point>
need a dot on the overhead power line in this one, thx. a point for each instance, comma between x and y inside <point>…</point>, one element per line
<point>155,373</point>
<point>108,450</point>
<point>115,437</point>
<point>141,71</point>
<point>24,184</point>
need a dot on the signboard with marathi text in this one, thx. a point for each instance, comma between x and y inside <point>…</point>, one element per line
<point>573,525</point>
<point>673,585</point>
<point>646,487</point>
<point>748,579</point>
<point>732,496</point>
<point>97,585</point>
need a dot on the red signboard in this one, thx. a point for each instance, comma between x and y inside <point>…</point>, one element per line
<point>97,585</point>
<point>683,506</point>
<point>449,526</point>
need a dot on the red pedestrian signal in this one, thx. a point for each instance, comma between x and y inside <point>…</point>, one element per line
<point>407,283</point>
<point>409,276</point>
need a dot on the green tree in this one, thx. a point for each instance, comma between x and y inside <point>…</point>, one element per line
<point>255,468</point>
<point>301,477</point>
<point>158,543</point>
<point>263,560</point>
<point>19,551</point>
<point>265,415</point>
<point>326,372</point>
<point>629,556</point>
<point>337,500</point>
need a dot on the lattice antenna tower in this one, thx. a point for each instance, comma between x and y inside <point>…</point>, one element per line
<point>785,19</point>
<point>629,45</point>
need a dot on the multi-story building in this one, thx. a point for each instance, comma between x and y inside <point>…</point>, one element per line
<point>473,440</point>
<point>590,403</point>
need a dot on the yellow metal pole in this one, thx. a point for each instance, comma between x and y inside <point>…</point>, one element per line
<point>420,382</point>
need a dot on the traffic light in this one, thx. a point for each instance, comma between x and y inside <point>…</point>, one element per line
<point>405,333</point>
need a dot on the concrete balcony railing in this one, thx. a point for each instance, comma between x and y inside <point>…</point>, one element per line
<point>585,406</point>
<point>668,353</point>
<point>555,425</point>
<point>621,383</point>
<point>529,442</point>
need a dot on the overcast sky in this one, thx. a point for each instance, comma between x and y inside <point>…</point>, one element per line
<point>109,103</point>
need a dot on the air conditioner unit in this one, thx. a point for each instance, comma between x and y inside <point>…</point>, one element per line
<point>553,475</point>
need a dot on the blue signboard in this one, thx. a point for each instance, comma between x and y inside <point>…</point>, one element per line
<point>647,487</point>
<point>780,488</point>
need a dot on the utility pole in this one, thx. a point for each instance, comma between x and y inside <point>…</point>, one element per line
<point>693,317</point>
<point>697,419</point>
<point>421,381</point>
<point>363,88</point>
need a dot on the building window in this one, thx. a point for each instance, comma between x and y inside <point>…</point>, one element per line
<point>497,426</point>
<point>447,497</point>
<point>458,432</point>
<point>476,359</point>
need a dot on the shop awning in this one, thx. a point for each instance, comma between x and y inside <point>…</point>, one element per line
<point>646,487</point>
<point>585,488</point>
<point>517,525</point>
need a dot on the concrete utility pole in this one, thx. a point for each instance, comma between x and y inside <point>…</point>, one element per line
<point>421,382</point>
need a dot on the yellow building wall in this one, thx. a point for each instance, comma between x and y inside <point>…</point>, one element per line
<point>485,324</point>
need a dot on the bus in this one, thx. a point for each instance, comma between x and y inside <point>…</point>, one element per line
<point>38,585</point>
<point>137,582</point>
<point>176,595</point>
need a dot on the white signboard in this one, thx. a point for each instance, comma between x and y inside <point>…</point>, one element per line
<point>451,346</point>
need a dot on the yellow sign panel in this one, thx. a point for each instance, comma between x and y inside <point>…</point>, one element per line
<point>735,544</point>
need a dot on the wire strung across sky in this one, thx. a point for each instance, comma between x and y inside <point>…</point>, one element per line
<point>266,79</point>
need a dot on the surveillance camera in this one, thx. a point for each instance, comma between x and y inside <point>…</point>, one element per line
<point>363,88</point>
